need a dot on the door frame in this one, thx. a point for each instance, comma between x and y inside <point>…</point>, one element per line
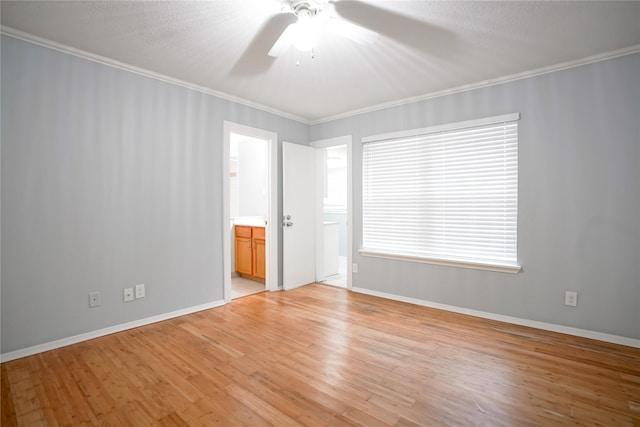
<point>271,228</point>
<point>331,142</point>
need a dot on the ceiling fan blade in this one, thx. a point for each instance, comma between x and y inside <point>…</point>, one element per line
<point>404,29</point>
<point>351,31</point>
<point>284,42</point>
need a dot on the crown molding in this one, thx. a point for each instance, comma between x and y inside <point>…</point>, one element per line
<point>486,83</point>
<point>21,35</point>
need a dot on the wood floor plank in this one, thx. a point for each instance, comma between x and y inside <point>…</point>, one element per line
<point>323,356</point>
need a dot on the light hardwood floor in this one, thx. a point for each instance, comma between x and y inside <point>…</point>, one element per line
<point>320,356</point>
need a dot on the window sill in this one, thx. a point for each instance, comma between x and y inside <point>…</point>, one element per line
<point>477,265</point>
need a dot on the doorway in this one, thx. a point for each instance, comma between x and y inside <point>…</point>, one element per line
<point>333,207</point>
<point>248,163</point>
<point>249,200</point>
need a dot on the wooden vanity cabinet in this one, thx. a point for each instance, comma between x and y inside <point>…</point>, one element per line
<point>250,252</point>
<point>244,259</point>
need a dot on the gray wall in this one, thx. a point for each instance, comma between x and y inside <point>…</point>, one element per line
<point>253,162</point>
<point>109,179</point>
<point>579,199</point>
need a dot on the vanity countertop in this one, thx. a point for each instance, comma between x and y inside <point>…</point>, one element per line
<point>249,221</point>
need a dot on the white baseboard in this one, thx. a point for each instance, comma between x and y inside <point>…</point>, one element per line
<point>615,339</point>
<point>29,351</point>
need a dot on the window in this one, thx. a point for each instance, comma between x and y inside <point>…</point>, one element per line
<point>447,194</point>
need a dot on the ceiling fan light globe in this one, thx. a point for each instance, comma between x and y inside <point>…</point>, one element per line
<point>306,36</point>
<point>305,42</point>
<point>304,46</point>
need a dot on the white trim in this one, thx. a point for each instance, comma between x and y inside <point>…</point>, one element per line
<point>271,282</point>
<point>226,213</point>
<point>331,142</point>
<point>319,210</point>
<point>511,117</point>
<point>350,214</point>
<point>477,265</point>
<point>273,226</point>
<point>486,83</point>
<point>52,345</point>
<point>600,336</point>
<point>40,41</point>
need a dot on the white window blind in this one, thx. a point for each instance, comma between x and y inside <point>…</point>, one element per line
<point>448,195</point>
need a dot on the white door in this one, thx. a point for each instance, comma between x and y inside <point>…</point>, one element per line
<point>298,209</point>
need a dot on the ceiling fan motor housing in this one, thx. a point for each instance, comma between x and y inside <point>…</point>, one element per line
<point>314,17</point>
<point>310,7</point>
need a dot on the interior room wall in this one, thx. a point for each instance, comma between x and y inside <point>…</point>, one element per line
<point>251,163</point>
<point>252,177</point>
<point>578,207</point>
<point>341,219</point>
<point>335,197</point>
<point>109,179</point>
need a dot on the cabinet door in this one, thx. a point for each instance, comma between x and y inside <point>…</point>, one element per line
<point>259,259</point>
<point>243,255</point>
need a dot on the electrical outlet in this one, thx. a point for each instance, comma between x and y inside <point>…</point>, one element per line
<point>571,298</point>
<point>94,299</point>
<point>140,291</point>
<point>354,268</point>
<point>128,294</point>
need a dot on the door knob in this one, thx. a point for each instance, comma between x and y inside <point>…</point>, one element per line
<point>287,224</point>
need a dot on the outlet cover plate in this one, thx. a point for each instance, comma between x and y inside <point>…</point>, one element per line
<point>94,299</point>
<point>571,298</point>
<point>128,294</point>
<point>140,291</point>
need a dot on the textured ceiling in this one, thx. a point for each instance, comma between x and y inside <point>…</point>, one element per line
<point>424,47</point>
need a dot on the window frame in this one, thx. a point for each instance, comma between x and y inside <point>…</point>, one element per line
<point>491,265</point>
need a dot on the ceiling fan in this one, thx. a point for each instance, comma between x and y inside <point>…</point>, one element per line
<point>314,17</point>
